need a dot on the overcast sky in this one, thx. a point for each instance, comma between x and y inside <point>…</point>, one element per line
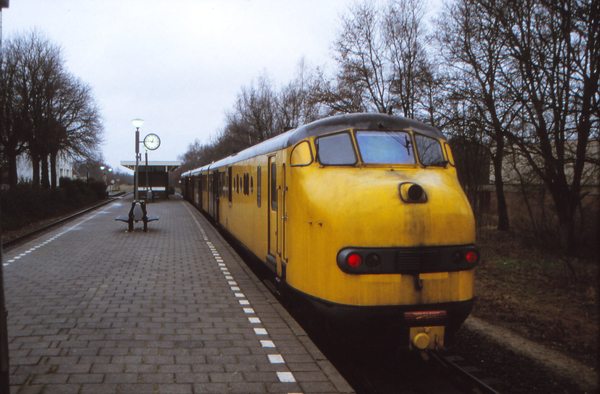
<point>177,64</point>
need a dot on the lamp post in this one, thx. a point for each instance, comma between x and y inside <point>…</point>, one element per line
<point>137,123</point>
<point>103,169</point>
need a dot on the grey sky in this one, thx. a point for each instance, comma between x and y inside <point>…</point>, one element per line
<point>177,64</point>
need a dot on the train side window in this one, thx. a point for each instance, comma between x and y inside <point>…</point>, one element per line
<point>336,150</point>
<point>258,187</point>
<point>251,185</point>
<point>229,183</point>
<point>237,183</point>
<point>301,155</point>
<point>429,151</point>
<point>273,186</point>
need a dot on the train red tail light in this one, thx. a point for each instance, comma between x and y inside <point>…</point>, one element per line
<point>472,257</point>
<point>354,260</point>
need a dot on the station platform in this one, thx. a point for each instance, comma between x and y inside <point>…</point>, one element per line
<point>95,309</point>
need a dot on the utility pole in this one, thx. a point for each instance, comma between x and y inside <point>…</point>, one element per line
<point>4,361</point>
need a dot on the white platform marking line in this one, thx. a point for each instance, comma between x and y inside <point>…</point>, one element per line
<point>276,359</point>
<point>284,377</point>
<point>74,227</point>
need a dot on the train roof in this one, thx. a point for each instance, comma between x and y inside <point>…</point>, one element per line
<point>373,121</point>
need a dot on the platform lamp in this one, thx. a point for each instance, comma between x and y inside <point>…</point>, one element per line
<point>137,123</point>
<point>103,169</point>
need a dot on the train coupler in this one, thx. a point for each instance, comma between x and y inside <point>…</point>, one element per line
<point>423,339</point>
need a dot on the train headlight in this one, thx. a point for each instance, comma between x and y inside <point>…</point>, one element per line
<point>354,260</point>
<point>412,193</point>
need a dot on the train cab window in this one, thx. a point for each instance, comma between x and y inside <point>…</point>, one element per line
<point>449,153</point>
<point>429,151</point>
<point>385,147</point>
<point>336,150</point>
<point>258,187</point>
<point>301,155</point>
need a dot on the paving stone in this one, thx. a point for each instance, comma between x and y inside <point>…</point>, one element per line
<point>101,310</point>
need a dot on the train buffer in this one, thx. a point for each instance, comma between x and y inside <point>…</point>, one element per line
<point>137,213</point>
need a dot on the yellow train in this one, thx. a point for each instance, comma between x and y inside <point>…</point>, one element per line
<point>361,214</point>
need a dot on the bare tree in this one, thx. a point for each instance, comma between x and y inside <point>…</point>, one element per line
<point>12,123</point>
<point>532,69</point>
<point>382,61</point>
<point>296,104</point>
<point>46,111</point>
<point>75,126</point>
<point>555,51</point>
<point>475,53</point>
<point>364,71</point>
<point>404,37</point>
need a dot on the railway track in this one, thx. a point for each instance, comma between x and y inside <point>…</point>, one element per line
<point>373,367</point>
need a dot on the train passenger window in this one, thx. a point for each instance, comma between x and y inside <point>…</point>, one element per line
<point>273,186</point>
<point>251,184</point>
<point>258,187</point>
<point>429,151</point>
<point>385,147</point>
<point>336,150</point>
<point>230,183</point>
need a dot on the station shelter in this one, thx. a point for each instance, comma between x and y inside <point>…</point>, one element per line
<point>154,176</point>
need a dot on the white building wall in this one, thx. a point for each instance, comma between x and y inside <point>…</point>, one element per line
<point>64,168</point>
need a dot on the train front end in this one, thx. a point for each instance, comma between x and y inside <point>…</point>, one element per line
<point>391,233</point>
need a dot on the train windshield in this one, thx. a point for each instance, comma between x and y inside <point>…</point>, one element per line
<point>336,150</point>
<point>429,151</point>
<point>385,147</point>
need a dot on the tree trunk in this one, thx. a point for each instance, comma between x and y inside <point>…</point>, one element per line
<point>13,175</point>
<point>503,221</point>
<point>45,179</point>
<point>53,177</point>
<point>35,165</point>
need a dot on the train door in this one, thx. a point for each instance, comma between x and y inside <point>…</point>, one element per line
<point>283,214</point>
<point>214,195</point>
<point>196,190</point>
<point>273,215</point>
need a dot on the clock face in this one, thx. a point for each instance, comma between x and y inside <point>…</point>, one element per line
<point>151,141</point>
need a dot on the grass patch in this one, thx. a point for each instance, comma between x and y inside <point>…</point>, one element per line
<point>539,294</point>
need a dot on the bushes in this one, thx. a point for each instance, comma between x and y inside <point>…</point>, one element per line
<point>25,204</point>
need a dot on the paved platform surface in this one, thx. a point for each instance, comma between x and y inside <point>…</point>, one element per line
<point>95,309</point>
